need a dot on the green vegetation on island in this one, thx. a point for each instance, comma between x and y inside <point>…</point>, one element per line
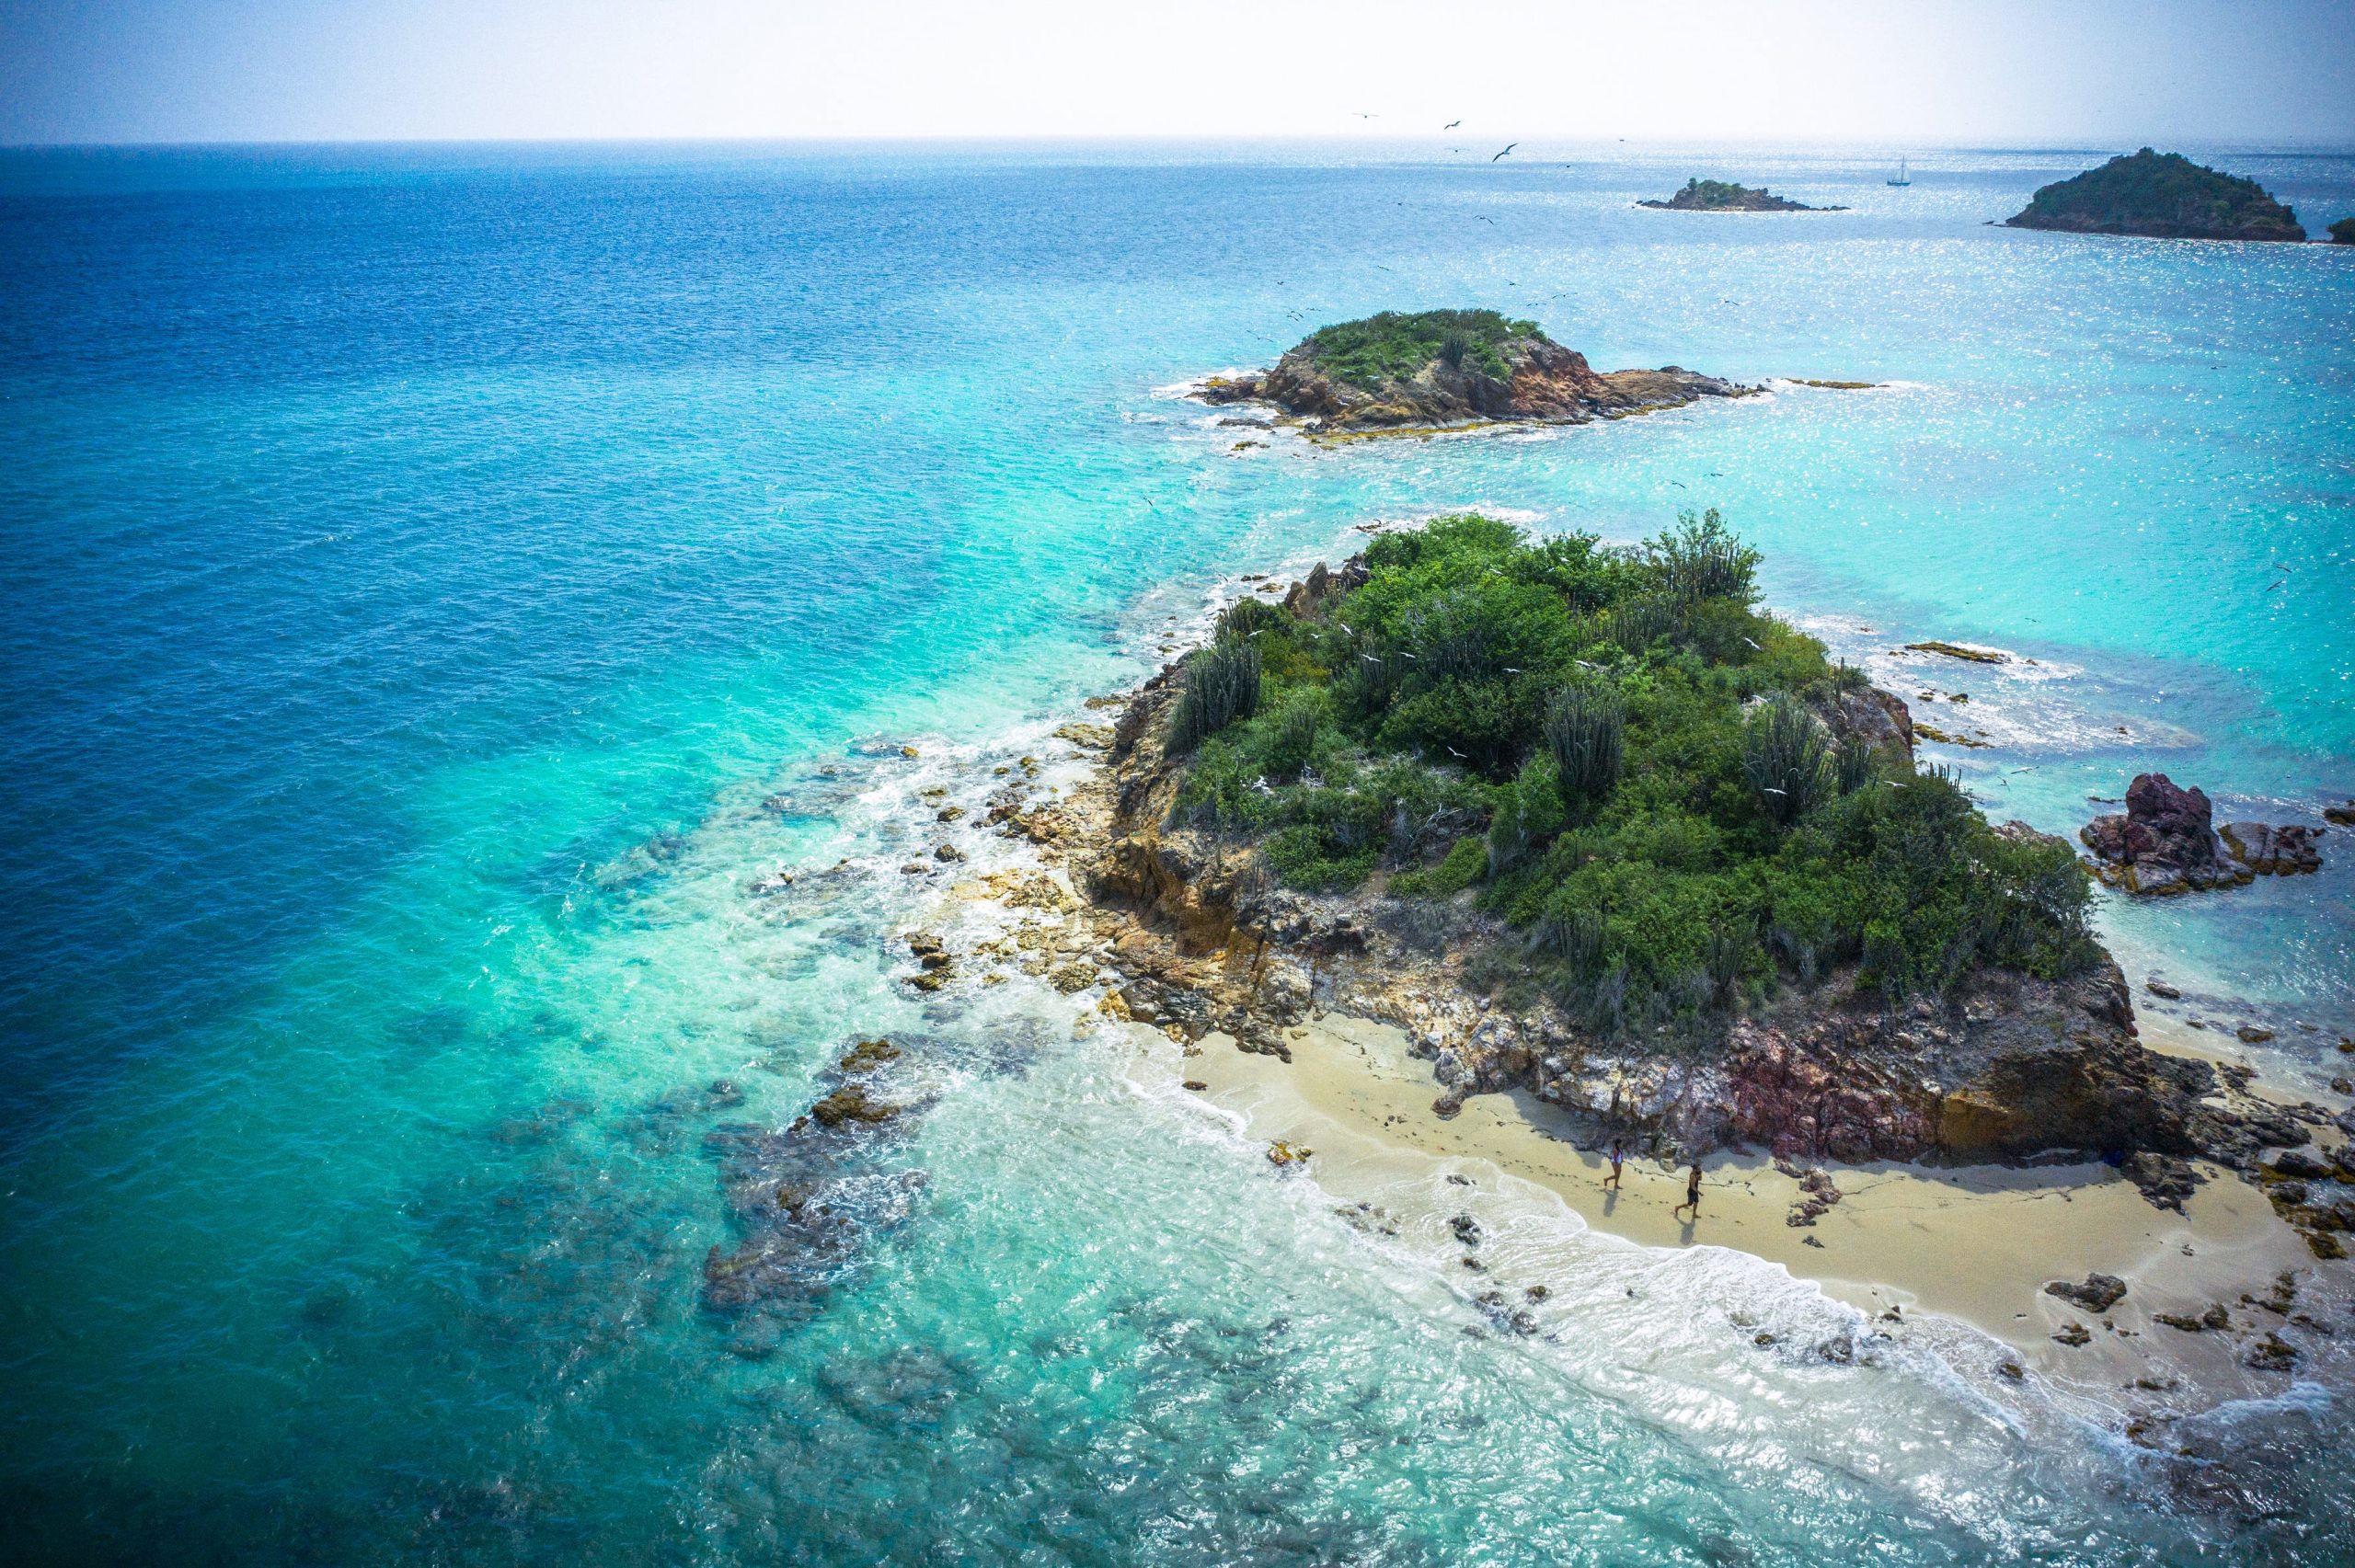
<point>2343,231</point>
<point>1725,196</point>
<point>2163,196</point>
<point>1394,345</point>
<point>1674,800</point>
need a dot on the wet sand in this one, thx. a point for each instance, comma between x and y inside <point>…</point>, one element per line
<point>1976,1244</point>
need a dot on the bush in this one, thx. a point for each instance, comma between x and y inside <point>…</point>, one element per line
<point>1701,559</point>
<point>1528,814</point>
<point>1293,729</point>
<point>1585,730</point>
<point>1221,685</point>
<point>1246,617</point>
<point>1785,754</point>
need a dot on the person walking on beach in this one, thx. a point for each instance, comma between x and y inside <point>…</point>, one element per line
<point>1618,1153</point>
<point>1691,1192</point>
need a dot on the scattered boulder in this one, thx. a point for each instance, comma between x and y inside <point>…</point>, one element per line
<point>2098,1294</point>
<point>2215,1317</point>
<point>2073,1334</point>
<point>2165,843</point>
<point>2271,1352</point>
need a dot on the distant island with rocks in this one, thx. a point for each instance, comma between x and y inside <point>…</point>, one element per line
<point>2160,196</point>
<point>1725,196</point>
<point>1435,370</point>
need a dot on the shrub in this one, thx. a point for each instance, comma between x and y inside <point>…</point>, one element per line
<point>1528,814</point>
<point>1785,754</point>
<point>1292,732</point>
<point>1463,866</point>
<point>1701,559</point>
<point>1585,730</point>
<point>1221,685</point>
<point>1246,616</point>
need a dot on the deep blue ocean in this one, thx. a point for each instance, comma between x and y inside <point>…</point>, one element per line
<point>445,583</point>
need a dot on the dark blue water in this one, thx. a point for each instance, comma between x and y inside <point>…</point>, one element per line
<point>424,562</point>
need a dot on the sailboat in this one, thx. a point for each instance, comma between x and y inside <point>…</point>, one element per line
<point>1899,178</point>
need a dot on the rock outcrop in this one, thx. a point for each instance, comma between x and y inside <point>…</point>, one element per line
<point>1435,376</point>
<point>1724,196</point>
<point>2165,842</point>
<point>2163,196</point>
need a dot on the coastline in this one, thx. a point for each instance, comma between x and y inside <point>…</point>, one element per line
<point>1973,1244</point>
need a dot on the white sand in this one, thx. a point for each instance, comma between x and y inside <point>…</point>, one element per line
<point>1977,1243</point>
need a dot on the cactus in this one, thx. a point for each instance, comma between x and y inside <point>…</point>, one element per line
<point>1786,755</point>
<point>1637,623</point>
<point>1855,765</point>
<point>1585,730</point>
<point>1221,685</point>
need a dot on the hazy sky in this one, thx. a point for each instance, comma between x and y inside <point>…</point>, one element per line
<point>1883,73</point>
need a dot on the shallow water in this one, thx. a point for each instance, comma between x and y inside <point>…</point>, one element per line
<point>442,577</point>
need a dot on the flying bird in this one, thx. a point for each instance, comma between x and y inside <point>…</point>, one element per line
<point>1508,147</point>
<point>1451,125</point>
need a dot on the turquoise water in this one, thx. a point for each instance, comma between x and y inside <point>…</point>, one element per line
<point>445,582</point>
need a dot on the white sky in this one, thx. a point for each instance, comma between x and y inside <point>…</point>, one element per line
<point>1999,72</point>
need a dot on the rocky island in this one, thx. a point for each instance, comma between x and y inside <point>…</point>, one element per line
<point>2163,196</point>
<point>2343,231</point>
<point>1585,824</point>
<point>1724,196</point>
<point>1449,368</point>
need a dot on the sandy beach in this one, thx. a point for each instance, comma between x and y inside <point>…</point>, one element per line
<point>1976,1244</point>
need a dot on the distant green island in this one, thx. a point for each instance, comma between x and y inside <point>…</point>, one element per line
<point>1724,196</point>
<point>2162,196</point>
<point>1445,369</point>
<point>2343,231</point>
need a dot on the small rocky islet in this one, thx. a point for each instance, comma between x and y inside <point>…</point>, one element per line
<point>1440,370</point>
<point>2160,196</point>
<point>1725,196</point>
